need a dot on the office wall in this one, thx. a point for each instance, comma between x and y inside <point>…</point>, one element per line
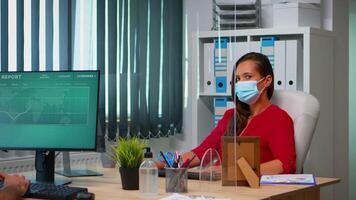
<point>341,110</point>
<point>352,99</point>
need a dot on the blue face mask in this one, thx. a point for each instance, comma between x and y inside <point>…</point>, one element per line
<point>247,91</point>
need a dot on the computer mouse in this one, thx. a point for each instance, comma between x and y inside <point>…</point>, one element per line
<point>85,196</point>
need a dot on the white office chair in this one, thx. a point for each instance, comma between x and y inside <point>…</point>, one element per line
<point>303,108</point>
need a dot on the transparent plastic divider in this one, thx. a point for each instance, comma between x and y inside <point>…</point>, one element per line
<point>210,172</point>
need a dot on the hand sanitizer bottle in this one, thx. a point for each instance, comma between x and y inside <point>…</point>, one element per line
<point>148,174</point>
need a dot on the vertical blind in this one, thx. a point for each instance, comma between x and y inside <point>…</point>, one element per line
<point>37,35</point>
<point>136,44</point>
<point>144,60</point>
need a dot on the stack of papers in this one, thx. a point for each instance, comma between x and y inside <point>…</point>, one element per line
<point>303,179</point>
<point>176,196</point>
<point>298,1</point>
<point>236,14</point>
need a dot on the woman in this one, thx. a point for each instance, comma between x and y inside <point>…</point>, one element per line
<point>255,116</point>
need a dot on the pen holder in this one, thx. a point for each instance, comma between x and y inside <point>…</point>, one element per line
<point>177,180</point>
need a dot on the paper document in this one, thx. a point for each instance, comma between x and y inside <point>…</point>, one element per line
<point>304,179</point>
<point>176,196</point>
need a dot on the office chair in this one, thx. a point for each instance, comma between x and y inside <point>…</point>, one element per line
<point>303,108</point>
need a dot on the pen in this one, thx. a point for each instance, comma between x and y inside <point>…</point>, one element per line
<point>176,154</point>
<point>185,167</point>
<point>165,159</point>
<point>187,162</point>
<point>178,161</point>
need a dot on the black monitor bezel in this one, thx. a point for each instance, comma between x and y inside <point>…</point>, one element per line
<point>62,149</point>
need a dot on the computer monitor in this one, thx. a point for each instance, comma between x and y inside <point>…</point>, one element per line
<point>48,112</point>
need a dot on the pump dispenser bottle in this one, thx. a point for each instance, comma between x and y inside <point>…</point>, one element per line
<point>148,174</point>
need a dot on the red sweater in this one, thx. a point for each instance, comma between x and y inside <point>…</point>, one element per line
<point>275,129</point>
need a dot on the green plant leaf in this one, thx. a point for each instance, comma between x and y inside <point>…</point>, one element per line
<point>128,153</point>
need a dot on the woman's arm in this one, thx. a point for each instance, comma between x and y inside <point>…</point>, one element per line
<point>272,167</point>
<point>213,141</point>
<point>186,156</point>
<point>189,155</point>
<point>267,168</point>
<point>282,145</point>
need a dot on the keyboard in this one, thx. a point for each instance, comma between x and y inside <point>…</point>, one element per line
<point>194,175</point>
<point>51,191</point>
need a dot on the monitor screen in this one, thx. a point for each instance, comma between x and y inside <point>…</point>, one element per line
<point>48,110</point>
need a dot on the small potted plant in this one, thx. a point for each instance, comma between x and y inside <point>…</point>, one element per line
<point>128,155</point>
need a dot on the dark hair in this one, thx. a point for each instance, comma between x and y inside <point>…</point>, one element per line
<point>243,111</point>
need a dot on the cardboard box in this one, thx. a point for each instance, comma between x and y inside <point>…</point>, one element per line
<point>296,15</point>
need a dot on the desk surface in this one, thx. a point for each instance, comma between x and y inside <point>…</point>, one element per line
<point>109,187</point>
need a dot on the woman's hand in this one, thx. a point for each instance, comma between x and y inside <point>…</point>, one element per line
<point>272,167</point>
<point>189,155</point>
<point>160,165</point>
<point>186,156</point>
<point>14,187</point>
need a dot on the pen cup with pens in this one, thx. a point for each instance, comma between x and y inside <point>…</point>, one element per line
<point>176,180</point>
<point>176,171</point>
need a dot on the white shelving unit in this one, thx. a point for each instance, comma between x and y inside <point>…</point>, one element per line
<point>316,78</point>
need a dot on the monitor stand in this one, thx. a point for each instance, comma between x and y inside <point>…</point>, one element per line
<point>68,172</point>
<point>44,164</point>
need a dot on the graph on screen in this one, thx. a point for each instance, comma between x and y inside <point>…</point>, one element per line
<point>44,105</point>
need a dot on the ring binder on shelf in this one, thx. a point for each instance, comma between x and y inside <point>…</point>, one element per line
<point>209,71</point>
<point>293,60</point>
<point>267,48</point>
<point>220,64</point>
<point>235,50</point>
<point>220,104</point>
<point>280,65</point>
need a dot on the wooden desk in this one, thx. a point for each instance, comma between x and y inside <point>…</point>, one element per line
<point>108,187</point>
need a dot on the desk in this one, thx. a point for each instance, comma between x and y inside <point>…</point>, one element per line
<point>108,187</point>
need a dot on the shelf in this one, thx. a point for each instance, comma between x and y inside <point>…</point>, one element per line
<point>203,94</point>
<point>310,61</point>
<point>263,32</point>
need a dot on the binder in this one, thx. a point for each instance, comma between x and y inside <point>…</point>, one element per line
<point>230,105</point>
<point>255,46</point>
<point>209,77</point>
<point>276,53</point>
<point>235,51</point>
<point>242,49</point>
<point>220,64</point>
<point>279,65</point>
<point>231,60</point>
<point>267,48</point>
<point>220,104</point>
<point>294,61</point>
